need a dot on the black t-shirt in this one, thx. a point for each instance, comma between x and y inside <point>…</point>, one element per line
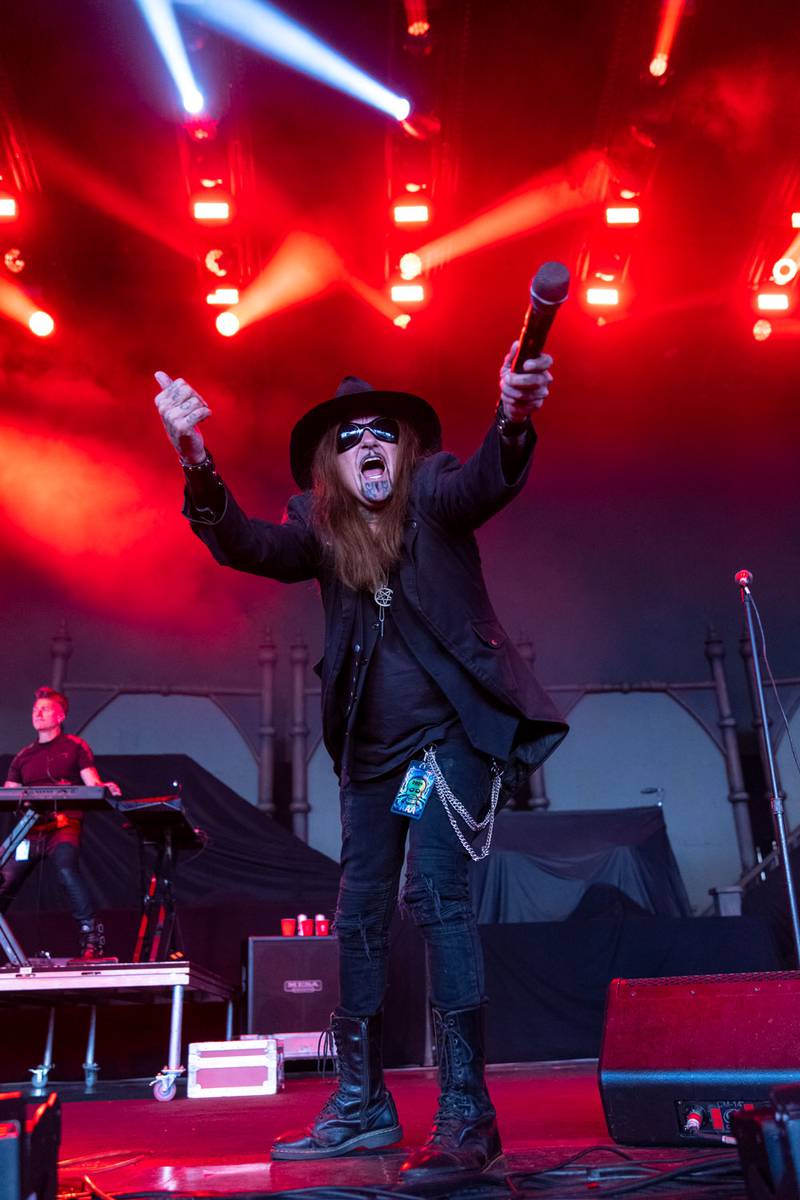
<point>400,707</point>
<point>57,762</point>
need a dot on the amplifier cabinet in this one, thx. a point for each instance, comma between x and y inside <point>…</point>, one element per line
<point>679,1056</point>
<point>291,984</point>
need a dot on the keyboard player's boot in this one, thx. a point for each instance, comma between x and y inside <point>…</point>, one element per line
<point>92,940</point>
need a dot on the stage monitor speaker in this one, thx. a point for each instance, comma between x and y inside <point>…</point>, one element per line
<point>680,1056</point>
<point>291,984</point>
<point>29,1148</point>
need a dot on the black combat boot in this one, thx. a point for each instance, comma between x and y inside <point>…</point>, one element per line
<point>360,1113</point>
<point>92,940</point>
<point>464,1135</point>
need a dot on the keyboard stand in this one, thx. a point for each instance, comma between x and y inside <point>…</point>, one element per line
<point>8,943</point>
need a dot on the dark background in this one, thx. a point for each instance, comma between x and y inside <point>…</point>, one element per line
<point>668,447</point>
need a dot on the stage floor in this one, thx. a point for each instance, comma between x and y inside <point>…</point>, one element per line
<point>220,1147</point>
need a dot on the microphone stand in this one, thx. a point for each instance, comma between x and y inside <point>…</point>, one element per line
<point>744,579</point>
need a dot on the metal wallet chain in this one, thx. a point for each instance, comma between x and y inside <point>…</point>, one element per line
<point>451,803</point>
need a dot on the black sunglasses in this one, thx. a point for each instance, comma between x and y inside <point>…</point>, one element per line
<point>349,435</point>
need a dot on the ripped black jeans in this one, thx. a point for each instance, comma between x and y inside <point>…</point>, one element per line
<point>436,892</point>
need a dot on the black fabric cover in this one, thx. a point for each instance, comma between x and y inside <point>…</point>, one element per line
<point>543,866</point>
<point>249,857</point>
<point>548,982</point>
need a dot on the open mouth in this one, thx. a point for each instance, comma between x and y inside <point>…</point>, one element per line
<point>373,466</point>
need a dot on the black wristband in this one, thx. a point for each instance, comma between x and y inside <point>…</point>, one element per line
<point>206,463</point>
<point>507,427</point>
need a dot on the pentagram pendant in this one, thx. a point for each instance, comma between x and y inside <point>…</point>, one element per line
<point>383,599</point>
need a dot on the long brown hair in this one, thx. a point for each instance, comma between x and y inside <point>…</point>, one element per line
<point>361,552</point>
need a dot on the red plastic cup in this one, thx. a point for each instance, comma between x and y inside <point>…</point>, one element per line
<point>321,927</point>
<point>307,927</point>
<point>288,926</point>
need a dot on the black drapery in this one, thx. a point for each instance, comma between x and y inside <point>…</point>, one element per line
<point>544,866</point>
<point>248,856</point>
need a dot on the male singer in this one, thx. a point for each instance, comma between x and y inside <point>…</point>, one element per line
<point>427,708</point>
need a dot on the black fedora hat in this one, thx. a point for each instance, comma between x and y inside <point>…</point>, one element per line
<point>354,397</point>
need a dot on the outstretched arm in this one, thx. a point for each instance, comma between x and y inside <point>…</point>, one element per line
<point>468,494</point>
<point>287,551</point>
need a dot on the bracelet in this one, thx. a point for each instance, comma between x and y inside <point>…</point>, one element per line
<point>206,463</point>
<point>506,426</point>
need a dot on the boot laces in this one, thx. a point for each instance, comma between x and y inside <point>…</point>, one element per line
<point>454,1109</point>
<point>326,1052</point>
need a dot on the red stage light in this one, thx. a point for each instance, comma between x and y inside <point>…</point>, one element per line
<point>402,320</point>
<point>13,260</point>
<point>41,323</point>
<point>217,211</point>
<point>200,129</point>
<point>417,21</point>
<point>622,214</point>
<point>602,297</point>
<point>762,330</point>
<point>227,324</point>
<point>784,271</point>
<point>407,213</point>
<point>9,210</point>
<point>772,302</point>
<point>407,293</point>
<point>410,266</point>
<point>223,296</point>
<point>671,13</point>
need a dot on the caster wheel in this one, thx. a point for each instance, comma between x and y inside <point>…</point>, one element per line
<point>164,1091</point>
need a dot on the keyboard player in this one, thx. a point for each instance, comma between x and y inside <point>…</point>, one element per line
<point>56,758</point>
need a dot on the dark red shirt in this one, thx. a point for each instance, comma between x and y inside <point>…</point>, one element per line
<point>59,761</point>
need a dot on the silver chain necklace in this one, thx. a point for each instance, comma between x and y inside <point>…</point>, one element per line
<point>383,598</point>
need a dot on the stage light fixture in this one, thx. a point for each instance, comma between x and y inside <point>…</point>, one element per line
<point>201,128</point>
<point>410,265</point>
<point>9,209</point>
<point>784,271</point>
<point>406,212</point>
<point>14,261</point>
<point>41,323</point>
<point>421,126</point>
<point>227,324</point>
<point>772,302</point>
<point>417,22</point>
<point>762,330</point>
<point>407,293</point>
<point>265,28</point>
<point>622,215</point>
<point>218,211</point>
<point>671,13</point>
<point>402,320</point>
<point>602,297</point>
<point>223,296</point>
<point>163,26</point>
<point>213,263</point>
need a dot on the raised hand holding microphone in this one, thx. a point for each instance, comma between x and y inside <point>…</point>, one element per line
<point>181,410</point>
<point>525,375</point>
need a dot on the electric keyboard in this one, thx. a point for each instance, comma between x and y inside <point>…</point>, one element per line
<point>54,798</point>
<point>155,816</point>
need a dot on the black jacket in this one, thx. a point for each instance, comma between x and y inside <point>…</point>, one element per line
<point>441,577</point>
